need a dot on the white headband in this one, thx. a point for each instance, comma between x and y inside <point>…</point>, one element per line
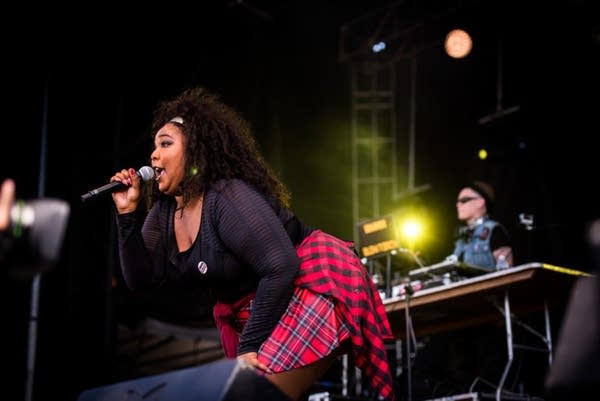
<point>177,119</point>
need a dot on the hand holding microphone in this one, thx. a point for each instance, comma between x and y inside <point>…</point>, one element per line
<point>127,200</point>
<point>145,173</point>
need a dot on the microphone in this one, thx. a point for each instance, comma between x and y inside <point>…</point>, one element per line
<point>145,173</point>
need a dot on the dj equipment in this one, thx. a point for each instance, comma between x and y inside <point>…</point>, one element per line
<point>449,265</point>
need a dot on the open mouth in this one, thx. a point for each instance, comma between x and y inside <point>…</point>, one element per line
<point>158,172</point>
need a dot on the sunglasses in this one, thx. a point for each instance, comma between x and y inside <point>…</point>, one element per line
<point>466,199</point>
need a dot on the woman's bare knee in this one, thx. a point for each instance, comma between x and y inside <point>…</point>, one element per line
<point>294,383</point>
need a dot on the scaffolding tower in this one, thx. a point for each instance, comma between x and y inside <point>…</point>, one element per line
<point>375,133</point>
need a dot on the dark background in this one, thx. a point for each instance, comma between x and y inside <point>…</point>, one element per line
<point>87,80</point>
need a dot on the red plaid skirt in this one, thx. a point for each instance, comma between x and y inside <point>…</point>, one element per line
<point>334,300</point>
<point>308,331</point>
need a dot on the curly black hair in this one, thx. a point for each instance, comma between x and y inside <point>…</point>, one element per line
<point>218,145</point>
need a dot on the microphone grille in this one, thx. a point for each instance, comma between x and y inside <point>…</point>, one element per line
<point>146,173</point>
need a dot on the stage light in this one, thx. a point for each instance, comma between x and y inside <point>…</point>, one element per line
<point>482,154</point>
<point>378,47</point>
<point>458,43</point>
<point>411,229</point>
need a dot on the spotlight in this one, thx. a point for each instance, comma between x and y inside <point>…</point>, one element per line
<point>378,47</point>
<point>411,229</point>
<point>458,43</point>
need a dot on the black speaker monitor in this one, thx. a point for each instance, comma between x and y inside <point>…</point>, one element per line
<point>223,380</point>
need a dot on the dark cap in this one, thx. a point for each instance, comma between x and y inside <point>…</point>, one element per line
<point>485,190</point>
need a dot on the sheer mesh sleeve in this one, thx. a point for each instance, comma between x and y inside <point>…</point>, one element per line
<point>250,229</point>
<point>140,268</point>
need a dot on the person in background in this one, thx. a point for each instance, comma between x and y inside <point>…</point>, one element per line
<point>7,199</point>
<point>482,241</point>
<point>289,298</point>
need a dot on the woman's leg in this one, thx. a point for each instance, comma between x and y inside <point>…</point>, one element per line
<point>294,383</point>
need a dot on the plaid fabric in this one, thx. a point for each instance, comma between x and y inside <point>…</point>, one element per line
<point>230,320</point>
<point>334,299</point>
<point>329,266</point>
<point>307,332</point>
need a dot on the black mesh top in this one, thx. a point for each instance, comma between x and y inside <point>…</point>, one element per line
<point>246,243</point>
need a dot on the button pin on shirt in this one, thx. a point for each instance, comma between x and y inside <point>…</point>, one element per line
<point>202,267</point>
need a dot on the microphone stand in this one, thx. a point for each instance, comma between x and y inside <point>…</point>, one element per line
<point>410,337</point>
<point>413,255</point>
<point>36,281</point>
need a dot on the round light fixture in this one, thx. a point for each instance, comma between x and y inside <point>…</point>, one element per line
<point>458,43</point>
